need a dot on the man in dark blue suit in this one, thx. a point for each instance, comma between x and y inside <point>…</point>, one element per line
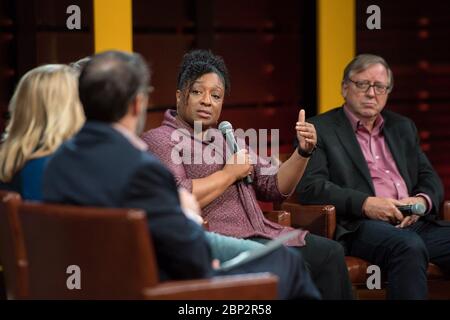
<point>106,164</point>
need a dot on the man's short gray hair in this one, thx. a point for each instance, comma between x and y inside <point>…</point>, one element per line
<point>363,61</point>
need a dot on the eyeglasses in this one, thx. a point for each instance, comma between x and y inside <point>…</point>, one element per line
<point>364,86</point>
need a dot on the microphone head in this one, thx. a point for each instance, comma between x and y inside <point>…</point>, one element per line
<point>225,127</point>
<point>418,208</point>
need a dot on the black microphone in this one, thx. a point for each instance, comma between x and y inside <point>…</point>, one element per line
<point>409,209</point>
<point>227,130</point>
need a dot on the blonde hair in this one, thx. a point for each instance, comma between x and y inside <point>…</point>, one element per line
<point>45,111</point>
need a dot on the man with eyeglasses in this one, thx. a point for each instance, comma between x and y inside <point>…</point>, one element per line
<point>368,162</point>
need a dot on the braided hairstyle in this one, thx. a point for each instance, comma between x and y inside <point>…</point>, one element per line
<point>196,63</point>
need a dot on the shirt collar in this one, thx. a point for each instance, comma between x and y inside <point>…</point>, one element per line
<point>130,136</point>
<point>356,123</point>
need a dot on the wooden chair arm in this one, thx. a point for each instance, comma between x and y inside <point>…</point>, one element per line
<point>279,216</point>
<point>257,286</point>
<point>318,219</point>
<point>446,211</point>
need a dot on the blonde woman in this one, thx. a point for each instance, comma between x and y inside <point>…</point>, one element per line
<point>45,111</point>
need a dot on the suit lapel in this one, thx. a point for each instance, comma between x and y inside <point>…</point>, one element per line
<point>395,147</point>
<point>348,140</point>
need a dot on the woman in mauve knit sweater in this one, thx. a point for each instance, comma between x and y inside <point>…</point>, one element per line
<point>190,144</point>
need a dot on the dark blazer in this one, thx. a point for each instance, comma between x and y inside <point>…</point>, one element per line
<point>338,174</point>
<point>100,167</point>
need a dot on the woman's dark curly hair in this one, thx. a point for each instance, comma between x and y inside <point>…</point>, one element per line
<point>196,63</point>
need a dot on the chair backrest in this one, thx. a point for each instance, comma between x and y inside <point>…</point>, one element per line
<point>12,250</point>
<point>445,211</point>
<point>87,253</point>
